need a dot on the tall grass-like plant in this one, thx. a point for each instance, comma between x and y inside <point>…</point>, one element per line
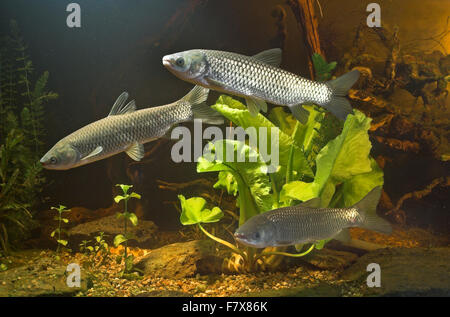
<point>22,100</point>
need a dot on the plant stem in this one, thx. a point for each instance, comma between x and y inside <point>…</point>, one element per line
<point>59,230</point>
<point>125,224</point>
<point>226,243</point>
<point>291,155</point>
<point>275,191</point>
<point>294,255</point>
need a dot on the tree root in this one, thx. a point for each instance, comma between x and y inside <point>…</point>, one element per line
<point>418,194</point>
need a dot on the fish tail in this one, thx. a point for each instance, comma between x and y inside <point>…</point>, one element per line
<point>200,110</point>
<point>367,208</point>
<point>338,104</point>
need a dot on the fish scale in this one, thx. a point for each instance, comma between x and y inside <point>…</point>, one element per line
<point>246,75</point>
<point>259,80</point>
<point>115,133</point>
<point>309,223</point>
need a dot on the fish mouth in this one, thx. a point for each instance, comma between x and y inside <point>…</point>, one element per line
<point>43,162</point>
<point>167,61</point>
<point>240,236</point>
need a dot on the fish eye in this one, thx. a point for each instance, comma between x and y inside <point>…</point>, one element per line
<point>53,160</point>
<point>257,235</point>
<point>180,61</point>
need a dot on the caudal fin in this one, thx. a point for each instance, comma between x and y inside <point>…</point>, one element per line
<point>367,208</point>
<point>339,105</point>
<point>197,97</point>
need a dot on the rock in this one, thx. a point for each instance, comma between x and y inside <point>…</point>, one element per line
<point>42,277</point>
<point>184,259</point>
<point>144,233</point>
<point>328,259</point>
<point>405,272</point>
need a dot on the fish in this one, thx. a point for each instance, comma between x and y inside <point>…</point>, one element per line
<point>307,223</point>
<point>126,129</point>
<point>259,79</point>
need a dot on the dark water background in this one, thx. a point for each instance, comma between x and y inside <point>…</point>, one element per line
<point>119,48</point>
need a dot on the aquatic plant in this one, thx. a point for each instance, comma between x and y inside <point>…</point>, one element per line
<point>99,248</point>
<point>21,132</point>
<point>126,216</point>
<point>323,158</point>
<point>60,230</point>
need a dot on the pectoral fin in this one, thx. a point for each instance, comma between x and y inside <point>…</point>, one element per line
<point>299,247</point>
<point>136,151</point>
<point>343,236</point>
<point>216,84</point>
<point>96,151</point>
<point>300,113</point>
<point>254,105</point>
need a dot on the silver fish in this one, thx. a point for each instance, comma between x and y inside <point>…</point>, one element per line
<point>307,223</point>
<point>126,130</point>
<point>259,79</point>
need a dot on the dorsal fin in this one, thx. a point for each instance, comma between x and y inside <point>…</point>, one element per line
<point>312,203</point>
<point>271,57</point>
<point>120,107</point>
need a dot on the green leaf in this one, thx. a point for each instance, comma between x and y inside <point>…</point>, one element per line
<point>133,218</point>
<point>322,68</point>
<point>120,215</point>
<point>320,244</point>
<point>135,195</point>
<point>357,187</point>
<point>226,180</point>
<point>129,263</point>
<point>63,242</point>
<point>119,198</point>
<point>193,211</point>
<point>124,188</point>
<point>341,159</point>
<point>243,118</point>
<point>65,220</point>
<point>119,239</point>
<point>251,176</point>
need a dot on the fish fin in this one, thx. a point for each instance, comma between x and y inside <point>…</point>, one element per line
<point>136,151</point>
<point>197,95</point>
<point>207,114</point>
<point>300,113</point>
<point>254,105</point>
<point>96,151</point>
<point>271,57</point>
<point>216,84</point>
<point>120,101</point>
<point>338,104</point>
<point>312,203</point>
<point>367,208</point>
<point>298,247</point>
<point>343,236</point>
<point>120,107</point>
